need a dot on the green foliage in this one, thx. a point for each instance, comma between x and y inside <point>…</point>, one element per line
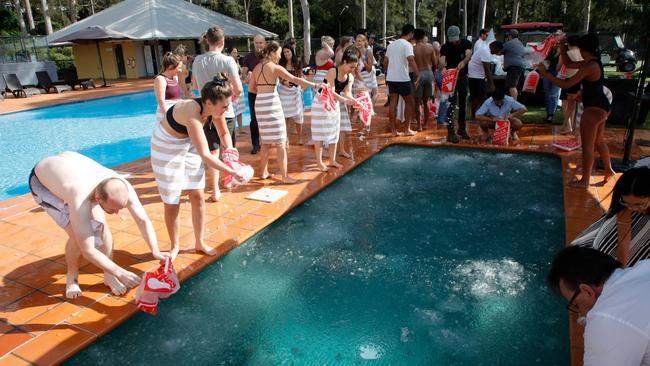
<point>8,23</point>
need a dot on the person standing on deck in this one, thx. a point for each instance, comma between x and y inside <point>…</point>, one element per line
<point>250,61</point>
<point>427,60</point>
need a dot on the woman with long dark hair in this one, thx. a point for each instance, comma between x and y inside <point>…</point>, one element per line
<point>290,93</point>
<point>166,86</point>
<point>596,105</point>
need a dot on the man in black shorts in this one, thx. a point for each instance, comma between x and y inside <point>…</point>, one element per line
<point>514,54</point>
<point>399,58</point>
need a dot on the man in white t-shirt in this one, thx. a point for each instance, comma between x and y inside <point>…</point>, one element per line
<point>482,39</point>
<point>206,67</point>
<point>613,300</point>
<point>399,58</point>
<point>480,69</point>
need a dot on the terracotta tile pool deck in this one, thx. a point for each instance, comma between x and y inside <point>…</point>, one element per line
<point>38,325</point>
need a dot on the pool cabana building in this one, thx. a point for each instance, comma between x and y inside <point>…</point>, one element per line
<point>152,27</point>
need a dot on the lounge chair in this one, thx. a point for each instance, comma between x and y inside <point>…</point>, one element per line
<point>71,78</point>
<point>3,86</point>
<point>14,86</point>
<point>45,82</point>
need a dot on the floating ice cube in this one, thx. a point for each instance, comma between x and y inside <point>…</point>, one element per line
<point>473,184</point>
<point>370,352</point>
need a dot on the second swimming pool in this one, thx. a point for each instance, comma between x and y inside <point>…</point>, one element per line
<point>417,257</point>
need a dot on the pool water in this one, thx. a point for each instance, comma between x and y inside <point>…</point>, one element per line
<point>112,131</point>
<point>418,257</point>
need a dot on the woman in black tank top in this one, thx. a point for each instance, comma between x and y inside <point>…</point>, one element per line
<point>596,105</point>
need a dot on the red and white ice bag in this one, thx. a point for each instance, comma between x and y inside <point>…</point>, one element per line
<point>156,285</point>
<point>501,134</point>
<point>531,82</point>
<point>230,157</point>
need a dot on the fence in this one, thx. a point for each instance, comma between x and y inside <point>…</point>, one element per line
<point>23,49</point>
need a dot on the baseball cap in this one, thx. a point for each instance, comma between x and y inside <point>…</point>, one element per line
<point>513,32</point>
<point>453,33</point>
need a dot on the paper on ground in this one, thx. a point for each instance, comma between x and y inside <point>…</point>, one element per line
<point>267,195</point>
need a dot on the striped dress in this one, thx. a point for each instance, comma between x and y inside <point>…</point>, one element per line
<point>346,125</point>
<point>270,118</point>
<point>292,105</point>
<point>325,125</point>
<point>370,77</point>
<point>603,236</point>
<point>175,164</point>
<point>240,105</point>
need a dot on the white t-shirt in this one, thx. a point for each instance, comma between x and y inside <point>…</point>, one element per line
<point>481,54</point>
<point>208,65</point>
<point>398,65</point>
<point>617,331</point>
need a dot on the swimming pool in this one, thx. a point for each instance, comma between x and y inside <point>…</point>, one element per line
<point>113,131</point>
<point>419,256</point>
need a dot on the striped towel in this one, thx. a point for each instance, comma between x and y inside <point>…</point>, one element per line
<point>325,125</point>
<point>291,98</point>
<point>176,165</point>
<point>358,85</point>
<point>319,76</point>
<point>270,118</point>
<point>370,78</point>
<point>346,125</point>
<point>240,105</point>
<point>160,115</point>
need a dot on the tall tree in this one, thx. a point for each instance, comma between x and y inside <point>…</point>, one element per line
<point>72,9</point>
<point>587,16</point>
<point>481,14</point>
<point>19,16</point>
<point>46,17</point>
<point>306,32</point>
<point>28,12</point>
<point>384,22</point>
<point>363,14</point>
<point>291,19</point>
<point>515,11</point>
<point>443,25</point>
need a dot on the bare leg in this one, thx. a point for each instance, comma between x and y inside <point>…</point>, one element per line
<point>264,152</point>
<point>281,152</point>
<point>342,145</point>
<point>240,123</point>
<point>392,113</point>
<point>318,149</point>
<point>72,257</point>
<point>588,132</point>
<point>198,221</point>
<point>333,161</point>
<point>212,176</point>
<point>425,108</point>
<point>513,93</point>
<point>416,111</point>
<point>173,224</point>
<point>299,131</point>
<point>117,287</point>
<point>603,151</point>
<point>408,113</point>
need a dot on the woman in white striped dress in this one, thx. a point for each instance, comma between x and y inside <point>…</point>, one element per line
<point>368,60</point>
<point>239,105</point>
<point>268,107</point>
<point>325,121</point>
<point>178,151</point>
<point>359,86</point>
<point>290,93</point>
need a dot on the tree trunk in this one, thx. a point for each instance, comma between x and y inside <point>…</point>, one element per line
<point>306,32</point>
<point>481,14</point>
<point>28,12</point>
<point>46,17</point>
<point>414,13</point>
<point>443,31</point>
<point>363,14</point>
<point>515,11</point>
<point>384,23</point>
<point>92,7</point>
<point>587,16</point>
<point>72,4</point>
<point>247,7</point>
<point>291,19</point>
<point>465,17</point>
<point>19,16</point>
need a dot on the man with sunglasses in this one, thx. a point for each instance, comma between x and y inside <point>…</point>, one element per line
<point>614,301</point>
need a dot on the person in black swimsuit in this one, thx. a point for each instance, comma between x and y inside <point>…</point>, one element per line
<point>596,105</point>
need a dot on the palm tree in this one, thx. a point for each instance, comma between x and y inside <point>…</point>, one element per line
<point>515,11</point>
<point>28,12</point>
<point>481,13</point>
<point>306,33</point>
<point>291,19</point>
<point>19,16</point>
<point>46,16</point>
<point>443,19</point>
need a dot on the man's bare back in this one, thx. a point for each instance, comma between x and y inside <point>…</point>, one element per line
<point>424,56</point>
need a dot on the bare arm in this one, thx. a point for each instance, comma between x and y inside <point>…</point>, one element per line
<point>488,75</point>
<point>371,61</point>
<point>465,61</point>
<point>442,62</point>
<point>159,85</point>
<point>567,83</point>
<point>413,65</point>
<point>195,84</point>
<point>484,118</point>
<point>144,224</point>
<point>282,73</point>
<point>235,81</point>
<point>195,131</point>
<point>518,112</point>
<point>222,130</point>
<point>385,63</point>
<point>181,82</point>
<point>434,59</point>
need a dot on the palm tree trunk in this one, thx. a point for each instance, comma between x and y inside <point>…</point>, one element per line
<point>46,16</point>
<point>72,4</point>
<point>19,16</point>
<point>465,17</point>
<point>443,31</point>
<point>481,14</point>
<point>515,11</point>
<point>363,14</point>
<point>291,19</point>
<point>587,16</point>
<point>384,23</point>
<point>306,21</point>
<point>92,7</point>
<point>28,12</point>
<point>414,20</point>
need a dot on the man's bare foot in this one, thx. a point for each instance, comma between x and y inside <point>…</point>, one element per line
<point>608,175</point>
<point>72,289</point>
<point>266,175</point>
<point>117,288</point>
<point>410,132</point>
<point>582,183</point>
<point>397,134</point>
<point>515,137</point>
<point>322,167</point>
<point>202,248</point>
<point>336,164</point>
<point>345,155</point>
<point>288,180</point>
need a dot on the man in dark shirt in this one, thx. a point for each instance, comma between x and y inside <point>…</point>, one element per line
<point>514,61</point>
<point>250,61</point>
<point>456,53</point>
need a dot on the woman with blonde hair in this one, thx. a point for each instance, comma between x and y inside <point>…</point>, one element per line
<point>166,85</point>
<point>367,62</point>
<point>268,107</point>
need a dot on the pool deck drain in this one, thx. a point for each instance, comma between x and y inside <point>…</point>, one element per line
<point>39,326</point>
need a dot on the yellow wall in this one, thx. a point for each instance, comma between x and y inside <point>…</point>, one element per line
<point>129,50</point>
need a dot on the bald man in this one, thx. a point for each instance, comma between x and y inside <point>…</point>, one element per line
<point>76,191</point>
<point>250,61</point>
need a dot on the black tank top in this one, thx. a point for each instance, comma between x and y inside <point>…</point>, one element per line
<point>179,127</point>
<point>592,92</point>
<point>339,86</point>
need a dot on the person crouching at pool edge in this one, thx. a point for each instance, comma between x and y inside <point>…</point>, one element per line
<point>500,107</point>
<point>76,192</point>
<point>179,150</point>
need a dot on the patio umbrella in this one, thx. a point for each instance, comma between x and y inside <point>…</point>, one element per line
<point>93,33</point>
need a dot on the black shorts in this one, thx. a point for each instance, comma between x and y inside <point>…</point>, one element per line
<point>212,135</point>
<point>514,74</point>
<point>403,88</point>
<point>477,89</point>
<point>571,90</point>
